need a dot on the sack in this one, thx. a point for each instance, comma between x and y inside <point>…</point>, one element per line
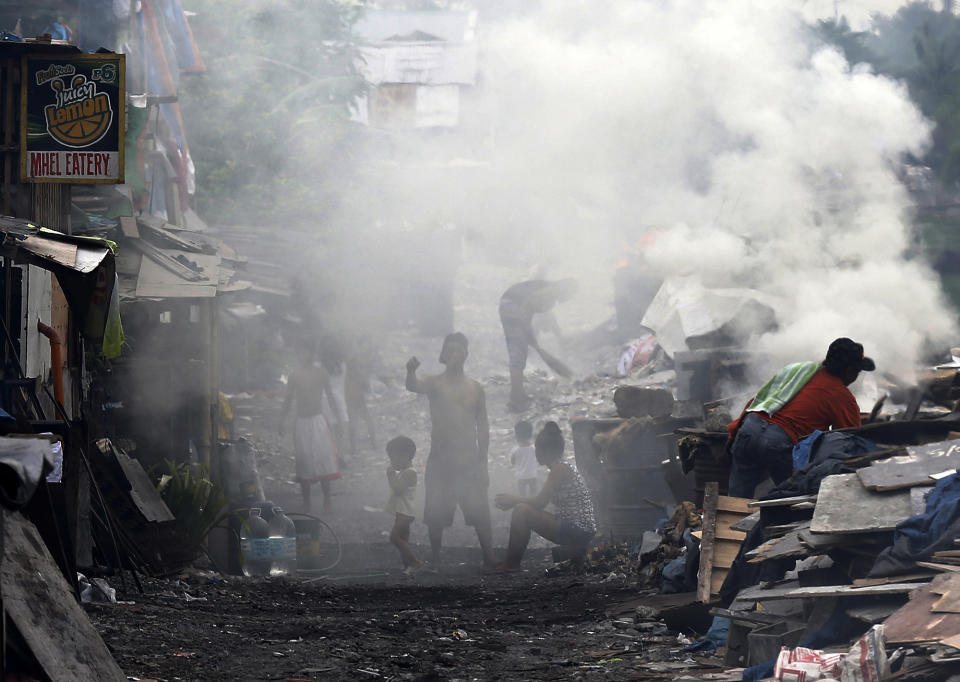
<point>805,665</point>
<point>867,660</point>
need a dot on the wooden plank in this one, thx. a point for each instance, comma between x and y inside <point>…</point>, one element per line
<point>740,505</point>
<point>845,506</point>
<point>747,523</point>
<point>779,548</point>
<point>914,622</point>
<point>823,541</point>
<point>43,607</point>
<point>724,552</point>
<point>128,225</point>
<point>893,476</point>
<point>909,578</point>
<point>142,490</point>
<point>724,521</point>
<point>724,533</point>
<point>781,530</point>
<point>747,617</point>
<point>946,568</point>
<point>704,582</point>
<point>759,594</point>
<point>782,502</point>
<point>717,577</point>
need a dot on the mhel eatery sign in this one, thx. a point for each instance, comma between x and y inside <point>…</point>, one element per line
<point>72,118</point>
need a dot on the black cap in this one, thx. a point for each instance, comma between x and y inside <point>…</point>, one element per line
<point>844,352</point>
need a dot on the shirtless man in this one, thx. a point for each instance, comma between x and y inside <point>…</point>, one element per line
<point>313,439</point>
<point>456,471</point>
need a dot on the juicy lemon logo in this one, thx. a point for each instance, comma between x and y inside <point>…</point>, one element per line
<point>81,115</point>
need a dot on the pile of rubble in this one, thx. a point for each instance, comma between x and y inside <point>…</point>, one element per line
<point>859,545</point>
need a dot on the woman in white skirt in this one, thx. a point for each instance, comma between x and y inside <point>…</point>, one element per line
<point>313,440</point>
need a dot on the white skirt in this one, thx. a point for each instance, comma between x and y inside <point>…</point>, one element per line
<point>315,450</point>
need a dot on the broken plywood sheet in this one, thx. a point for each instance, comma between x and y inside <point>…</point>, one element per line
<point>783,547</point>
<point>914,622</point>
<point>949,601</point>
<point>912,469</point>
<point>845,506</point>
<point>142,490</point>
<point>41,604</point>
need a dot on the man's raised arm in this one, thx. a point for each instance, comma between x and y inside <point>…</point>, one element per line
<point>413,384</point>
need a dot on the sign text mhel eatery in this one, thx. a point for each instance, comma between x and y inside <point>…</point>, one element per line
<point>72,118</point>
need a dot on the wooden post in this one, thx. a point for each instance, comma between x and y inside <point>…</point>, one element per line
<point>710,495</point>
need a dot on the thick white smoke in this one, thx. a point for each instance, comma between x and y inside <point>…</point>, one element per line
<point>762,156</point>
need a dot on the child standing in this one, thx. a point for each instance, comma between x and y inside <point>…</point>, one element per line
<point>402,478</point>
<point>523,457</point>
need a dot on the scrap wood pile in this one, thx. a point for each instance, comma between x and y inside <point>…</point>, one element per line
<point>644,561</point>
<point>862,535</point>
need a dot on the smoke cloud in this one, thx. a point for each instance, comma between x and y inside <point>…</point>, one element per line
<point>761,156</point>
<point>758,156</point>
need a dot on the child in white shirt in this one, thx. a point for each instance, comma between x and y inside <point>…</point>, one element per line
<point>524,460</point>
<point>402,478</point>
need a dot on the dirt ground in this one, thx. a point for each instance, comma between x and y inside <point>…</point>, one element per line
<point>364,619</point>
<point>453,627</point>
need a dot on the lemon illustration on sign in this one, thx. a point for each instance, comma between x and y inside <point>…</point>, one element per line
<point>81,115</point>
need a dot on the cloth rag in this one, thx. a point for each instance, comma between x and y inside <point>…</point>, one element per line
<point>782,388</point>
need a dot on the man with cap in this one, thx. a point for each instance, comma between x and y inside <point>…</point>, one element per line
<point>456,472</point>
<point>802,398</point>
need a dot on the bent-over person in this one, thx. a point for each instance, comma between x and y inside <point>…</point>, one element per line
<point>801,398</point>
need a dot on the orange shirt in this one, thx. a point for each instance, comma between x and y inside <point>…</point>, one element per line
<point>823,402</point>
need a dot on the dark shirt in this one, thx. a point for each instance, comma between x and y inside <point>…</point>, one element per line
<point>522,292</point>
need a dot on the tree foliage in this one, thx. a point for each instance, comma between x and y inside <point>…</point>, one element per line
<point>269,123</point>
<point>919,45</point>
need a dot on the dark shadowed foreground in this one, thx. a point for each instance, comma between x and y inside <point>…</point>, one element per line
<point>456,625</point>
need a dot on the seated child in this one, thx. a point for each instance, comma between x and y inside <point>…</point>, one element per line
<point>524,459</point>
<point>402,478</point>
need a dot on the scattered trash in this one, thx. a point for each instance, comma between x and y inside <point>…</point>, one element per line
<point>95,591</point>
<point>644,612</point>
